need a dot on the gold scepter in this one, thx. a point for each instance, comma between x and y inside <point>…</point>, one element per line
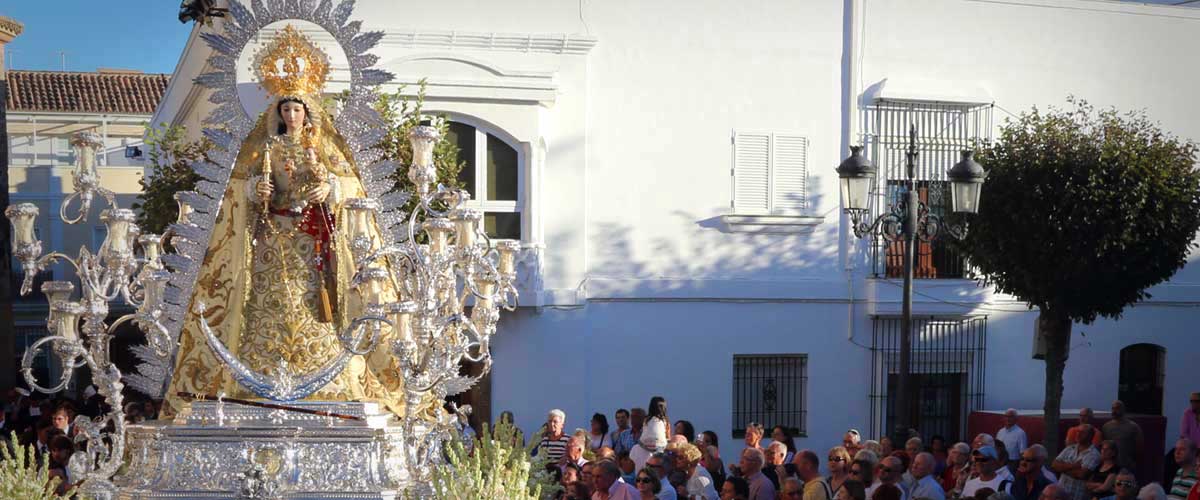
<point>266,176</point>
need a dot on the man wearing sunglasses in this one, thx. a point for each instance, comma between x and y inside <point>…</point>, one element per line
<point>1126,487</point>
<point>1030,481</point>
<point>888,472</point>
<point>984,462</point>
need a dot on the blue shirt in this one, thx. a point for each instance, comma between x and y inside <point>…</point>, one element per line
<point>625,442</point>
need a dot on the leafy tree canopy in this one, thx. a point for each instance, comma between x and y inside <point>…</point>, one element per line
<point>1083,210</point>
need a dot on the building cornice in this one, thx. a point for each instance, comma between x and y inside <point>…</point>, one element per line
<point>551,43</point>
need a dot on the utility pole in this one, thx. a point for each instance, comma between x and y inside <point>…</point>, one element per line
<point>9,29</point>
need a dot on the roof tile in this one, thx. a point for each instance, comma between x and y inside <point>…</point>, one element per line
<point>61,91</point>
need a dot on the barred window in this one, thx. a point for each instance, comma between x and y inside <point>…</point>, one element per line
<point>943,131</point>
<point>946,373</point>
<point>770,389</point>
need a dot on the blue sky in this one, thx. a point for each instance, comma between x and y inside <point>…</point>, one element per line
<point>144,35</point>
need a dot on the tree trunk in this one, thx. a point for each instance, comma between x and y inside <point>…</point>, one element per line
<point>1056,330</point>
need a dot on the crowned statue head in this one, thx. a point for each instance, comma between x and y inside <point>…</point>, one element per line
<point>292,69</point>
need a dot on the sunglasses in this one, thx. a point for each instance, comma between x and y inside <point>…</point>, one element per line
<point>855,472</point>
<point>983,460</point>
<point>645,480</point>
<point>1127,484</point>
<point>837,459</point>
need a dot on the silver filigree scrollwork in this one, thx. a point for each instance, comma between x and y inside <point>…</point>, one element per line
<point>112,272</point>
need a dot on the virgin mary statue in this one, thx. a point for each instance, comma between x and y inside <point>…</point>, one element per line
<point>275,278</point>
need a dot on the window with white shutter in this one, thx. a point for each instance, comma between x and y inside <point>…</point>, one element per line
<point>770,173</point>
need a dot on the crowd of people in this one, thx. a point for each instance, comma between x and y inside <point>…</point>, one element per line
<point>49,425</point>
<point>648,456</point>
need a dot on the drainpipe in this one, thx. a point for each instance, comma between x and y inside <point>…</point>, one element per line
<point>852,33</point>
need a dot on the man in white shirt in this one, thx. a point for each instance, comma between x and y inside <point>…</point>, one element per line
<point>608,485</point>
<point>1013,436</point>
<point>925,485</point>
<point>985,462</point>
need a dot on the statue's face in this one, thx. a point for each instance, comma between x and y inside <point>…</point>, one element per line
<point>292,114</point>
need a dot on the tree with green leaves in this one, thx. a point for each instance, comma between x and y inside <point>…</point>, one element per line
<point>1082,212</point>
<point>402,113</point>
<point>170,155</point>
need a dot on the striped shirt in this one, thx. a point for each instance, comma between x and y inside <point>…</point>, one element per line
<point>1184,480</point>
<point>554,448</point>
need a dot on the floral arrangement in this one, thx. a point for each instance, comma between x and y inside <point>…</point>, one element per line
<point>22,477</point>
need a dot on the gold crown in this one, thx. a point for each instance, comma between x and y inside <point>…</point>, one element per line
<point>291,65</point>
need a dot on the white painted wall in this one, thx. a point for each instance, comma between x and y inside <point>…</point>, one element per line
<point>626,109</point>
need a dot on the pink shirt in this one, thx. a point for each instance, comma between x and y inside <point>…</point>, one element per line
<point>620,490</point>
<point>1190,429</point>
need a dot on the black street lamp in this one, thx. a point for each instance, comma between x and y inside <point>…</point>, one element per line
<point>906,220</point>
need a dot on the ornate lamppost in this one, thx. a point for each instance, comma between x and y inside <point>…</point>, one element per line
<point>906,220</point>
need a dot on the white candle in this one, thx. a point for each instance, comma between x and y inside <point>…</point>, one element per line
<point>401,316</point>
<point>67,319</point>
<point>185,209</point>
<point>22,216</point>
<point>439,230</point>
<point>117,241</point>
<point>508,257</point>
<point>423,139</point>
<point>466,226</point>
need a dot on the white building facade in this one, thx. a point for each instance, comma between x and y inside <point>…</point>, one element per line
<point>669,168</point>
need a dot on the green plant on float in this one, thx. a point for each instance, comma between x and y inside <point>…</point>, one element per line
<point>22,477</point>
<point>1082,211</point>
<point>497,466</point>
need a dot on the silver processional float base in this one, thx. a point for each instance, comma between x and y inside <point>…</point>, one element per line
<point>229,451</point>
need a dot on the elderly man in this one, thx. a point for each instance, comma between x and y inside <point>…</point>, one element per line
<point>1127,434</point>
<point>1075,464</point>
<point>1041,455</point>
<point>574,454</point>
<point>983,439</point>
<point>986,461</point>
<point>776,469</point>
<point>751,465</point>
<point>1085,418</point>
<point>1185,456</point>
<point>1053,492</point>
<point>554,443</point>
<point>1030,481</point>
<point>808,467</point>
<point>608,485</point>
<point>1125,487</point>
<point>958,468</point>
<point>924,484</point>
<point>628,438</point>
<point>660,464</point>
<point>1012,435</point>
<point>793,489</point>
<point>888,472</point>
<point>852,441</point>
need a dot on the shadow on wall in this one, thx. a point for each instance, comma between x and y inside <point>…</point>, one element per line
<point>683,251</point>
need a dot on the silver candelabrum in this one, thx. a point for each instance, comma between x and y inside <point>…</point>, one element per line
<point>113,272</point>
<point>445,264</point>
